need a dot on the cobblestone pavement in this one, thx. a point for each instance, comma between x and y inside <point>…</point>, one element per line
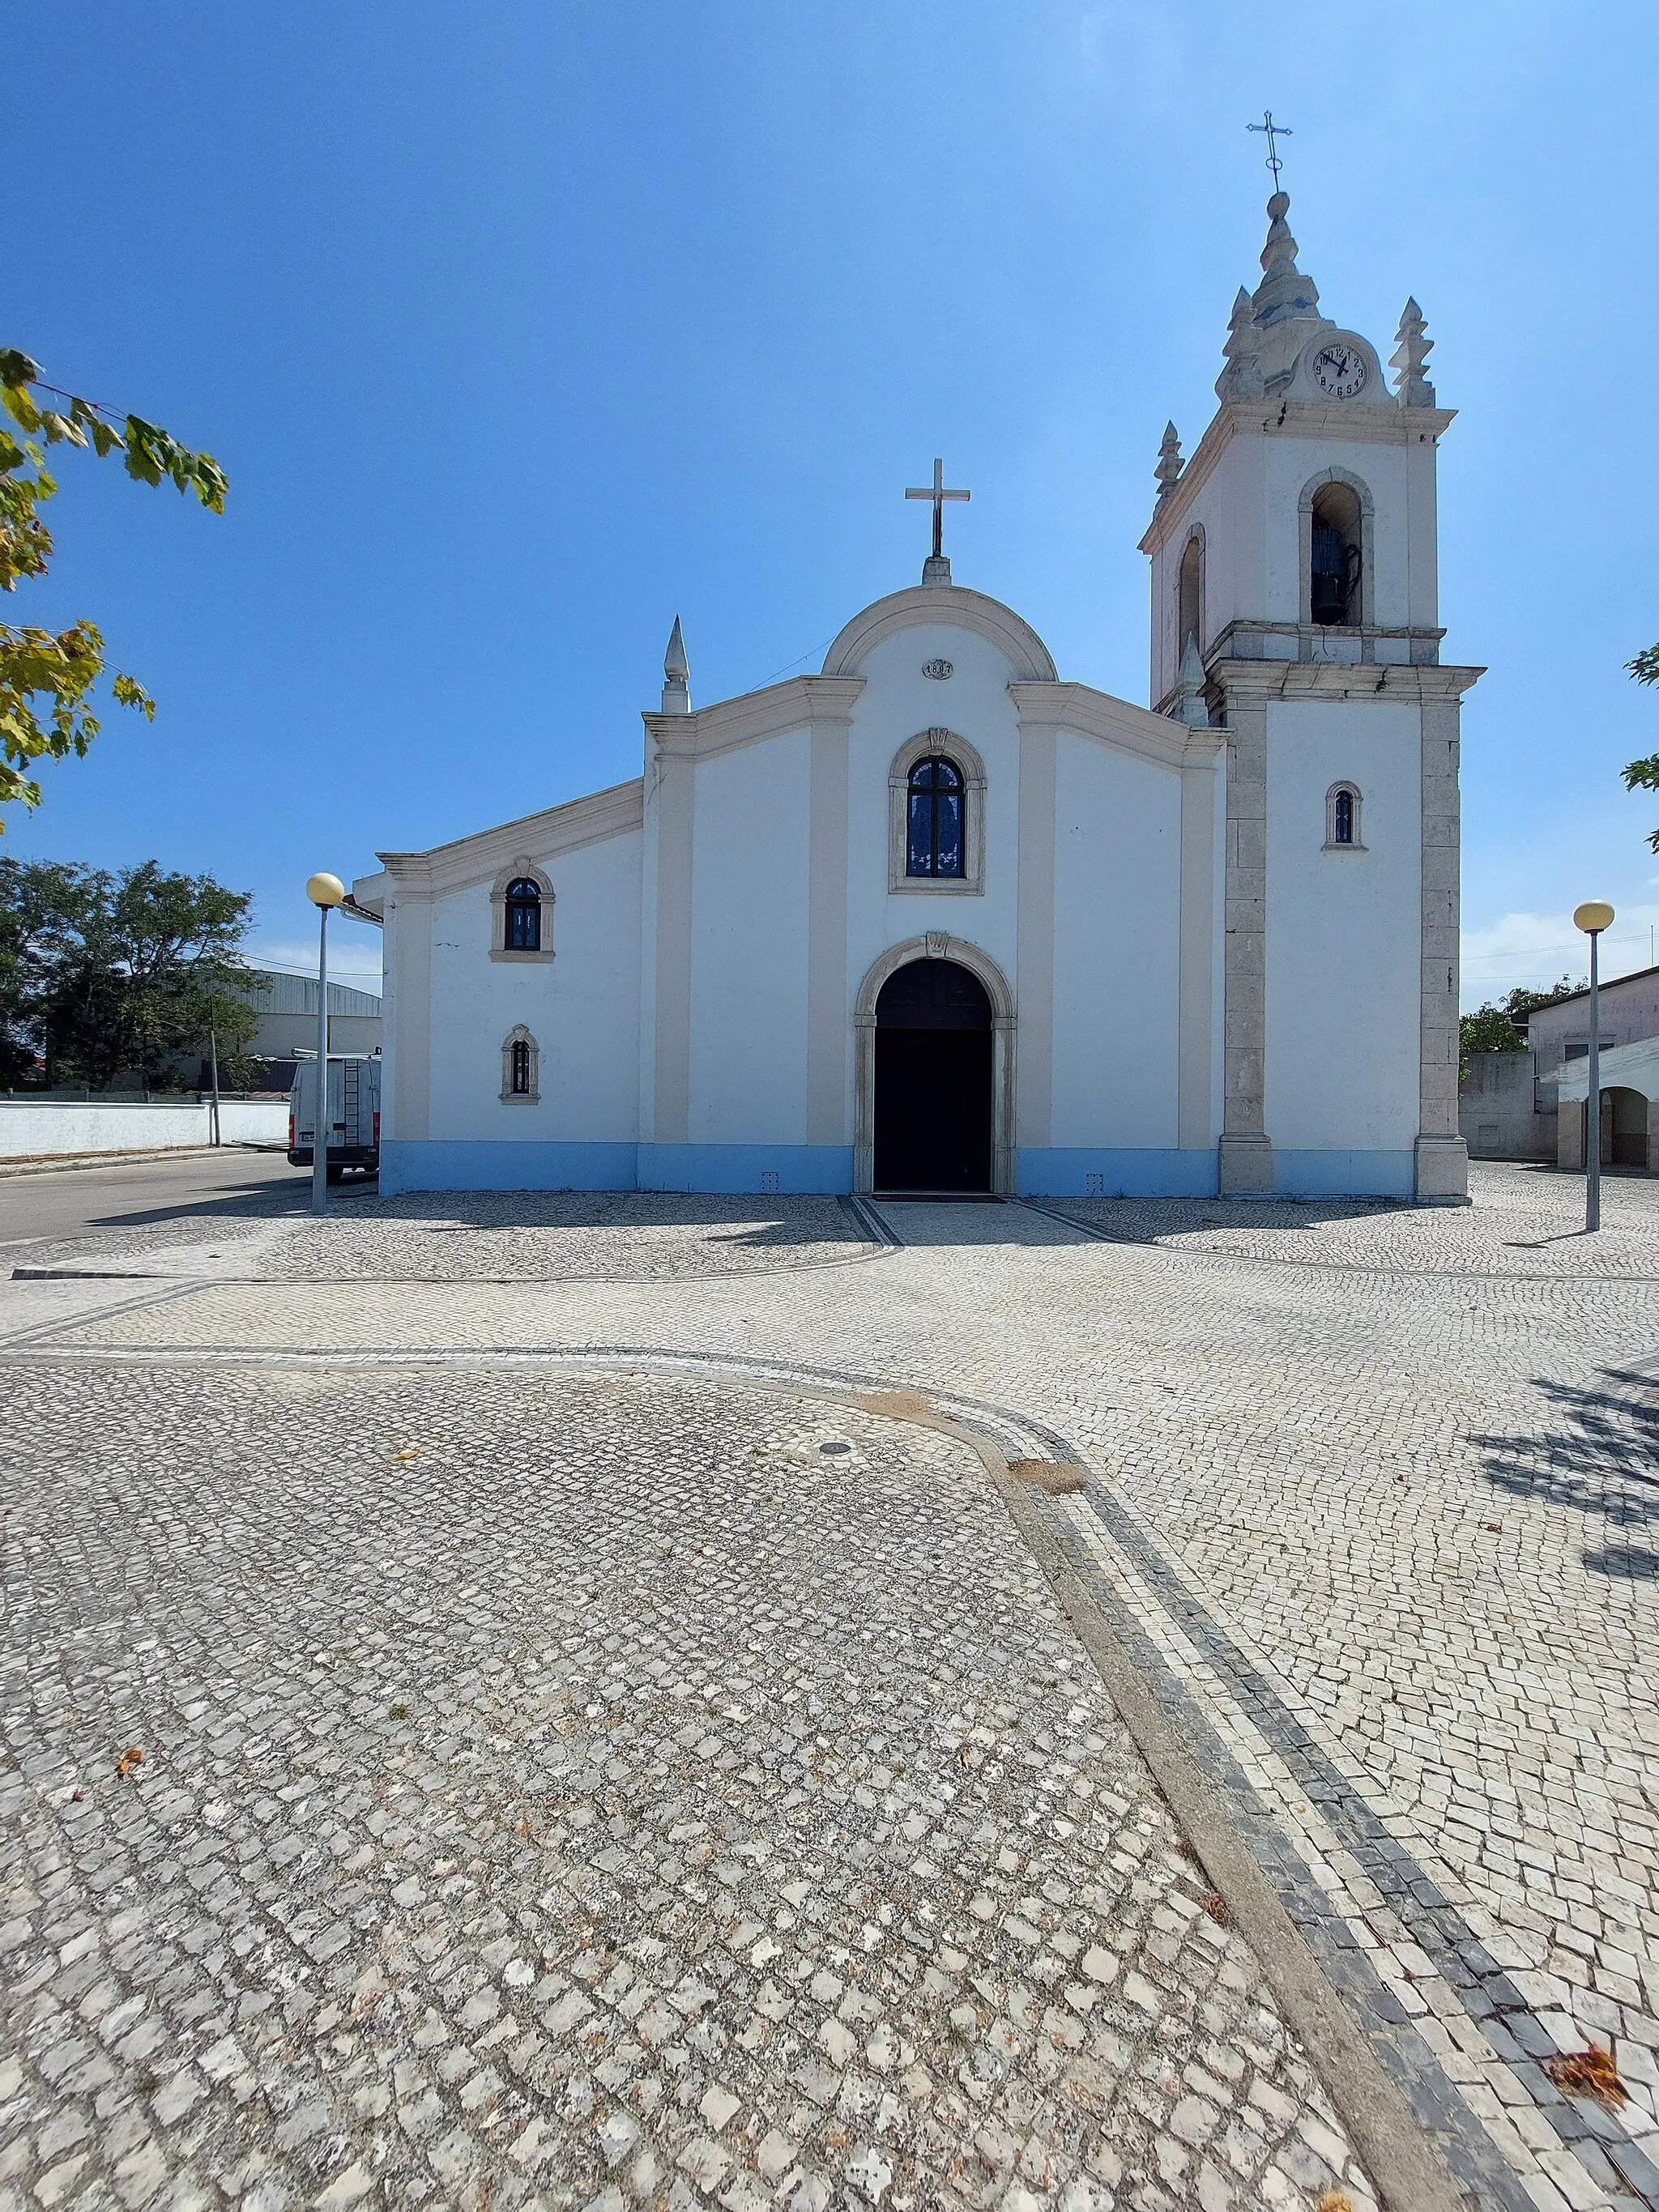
<point>583,1789</point>
<point>1529,1221</point>
<point>1378,1527</point>
<point>457,1235</point>
<point>480,1236</point>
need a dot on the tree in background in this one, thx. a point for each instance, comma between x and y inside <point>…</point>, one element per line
<point>107,975</point>
<point>1503,1027</point>
<point>1645,773</point>
<point>58,671</point>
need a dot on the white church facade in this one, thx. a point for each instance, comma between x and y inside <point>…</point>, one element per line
<point>936,918</point>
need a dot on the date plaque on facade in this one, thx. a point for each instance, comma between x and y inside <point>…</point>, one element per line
<point>940,671</point>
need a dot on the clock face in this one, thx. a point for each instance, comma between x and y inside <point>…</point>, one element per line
<point>1339,370</point>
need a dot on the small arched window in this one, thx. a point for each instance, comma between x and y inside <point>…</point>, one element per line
<point>1190,598</point>
<point>524,915</point>
<point>1342,819</point>
<point>520,1068</point>
<point>934,825</point>
<point>1333,593</point>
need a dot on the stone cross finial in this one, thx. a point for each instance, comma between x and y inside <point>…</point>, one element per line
<point>1412,388</point>
<point>1169,461</point>
<point>676,687</point>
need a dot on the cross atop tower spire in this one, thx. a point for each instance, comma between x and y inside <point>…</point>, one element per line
<point>1273,132</point>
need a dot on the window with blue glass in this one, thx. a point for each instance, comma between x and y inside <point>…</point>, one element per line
<point>935,823</point>
<point>524,917</point>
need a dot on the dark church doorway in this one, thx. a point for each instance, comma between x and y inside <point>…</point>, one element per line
<point>933,1080</point>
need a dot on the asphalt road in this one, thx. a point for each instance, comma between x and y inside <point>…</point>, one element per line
<point>67,1203</point>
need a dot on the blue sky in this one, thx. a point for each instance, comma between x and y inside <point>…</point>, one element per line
<point>521,328</point>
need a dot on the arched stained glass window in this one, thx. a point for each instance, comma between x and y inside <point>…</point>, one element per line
<point>520,1067</point>
<point>524,917</point>
<point>1342,819</point>
<point>934,841</point>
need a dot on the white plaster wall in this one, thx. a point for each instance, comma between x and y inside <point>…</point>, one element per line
<point>749,945</point>
<point>1290,463</point>
<point>1248,509</point>
<point>1344,930</point>
<point>1117,899</point>
<point>897,702</point>
<point>581,1007</point>
<point>38,1129</point>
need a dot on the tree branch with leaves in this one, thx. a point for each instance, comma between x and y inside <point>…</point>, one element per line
<point>46,677</point>
<point>1643,774</point>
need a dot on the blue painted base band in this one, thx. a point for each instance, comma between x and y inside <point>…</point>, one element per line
<point>1056,1172</point>
<point>1125,1171</point>
<point>419,1164</point>
<point>428,1164</point>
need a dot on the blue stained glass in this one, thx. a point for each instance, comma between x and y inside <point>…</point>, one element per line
<point>934,824</point>
<point>524,917</point>
<point>920,862</point>
<point>947,815</point>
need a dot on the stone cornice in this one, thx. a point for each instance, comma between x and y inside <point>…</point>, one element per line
<point>1287,418</point>
<point>1255,682</point>
<point>801,703</point>
<point>1086,713</point>
<point>957,609</point>
<point>557,830</point>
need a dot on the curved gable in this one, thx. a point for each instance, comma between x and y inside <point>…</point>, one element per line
<point>930,605</point>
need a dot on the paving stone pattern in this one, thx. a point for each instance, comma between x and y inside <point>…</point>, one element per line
<point>1529,1222</point>
<point>1411,1484</point>
<point>453,1236</point>
<point>651,1792</point>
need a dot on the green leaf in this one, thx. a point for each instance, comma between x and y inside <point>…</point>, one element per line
<point>130,692</point>
<point>22,409</point>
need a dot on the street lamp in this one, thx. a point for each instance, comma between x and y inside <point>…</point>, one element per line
<point>324,892</point>
<point>1593,917</point>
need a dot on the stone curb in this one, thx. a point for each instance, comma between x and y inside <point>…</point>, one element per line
<point>70,1162</point>
<point>1410,2173</point>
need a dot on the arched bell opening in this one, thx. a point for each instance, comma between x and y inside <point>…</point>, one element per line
<point>1336,556</point>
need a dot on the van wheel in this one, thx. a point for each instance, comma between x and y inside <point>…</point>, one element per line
<point>337,1175</point>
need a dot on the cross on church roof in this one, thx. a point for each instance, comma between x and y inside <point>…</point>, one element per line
<point>1273,131</point>
<point>938,494</point>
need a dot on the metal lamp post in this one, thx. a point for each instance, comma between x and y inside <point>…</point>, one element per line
<point>1593,917</point>
<point>325,892</point>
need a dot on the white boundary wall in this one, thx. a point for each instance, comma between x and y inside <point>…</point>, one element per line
<point>38,1127</point>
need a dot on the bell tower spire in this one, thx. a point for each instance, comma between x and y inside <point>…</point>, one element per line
<point>1295,604</point>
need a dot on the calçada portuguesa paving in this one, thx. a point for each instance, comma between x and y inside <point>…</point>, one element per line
<point>615,1732</point>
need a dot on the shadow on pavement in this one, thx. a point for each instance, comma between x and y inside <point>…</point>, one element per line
<point>1603,1463</point>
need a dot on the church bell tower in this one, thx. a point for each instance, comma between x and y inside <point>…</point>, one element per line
<point>1295,604</point>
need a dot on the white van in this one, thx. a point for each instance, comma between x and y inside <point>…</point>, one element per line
<point>353,1114</point>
